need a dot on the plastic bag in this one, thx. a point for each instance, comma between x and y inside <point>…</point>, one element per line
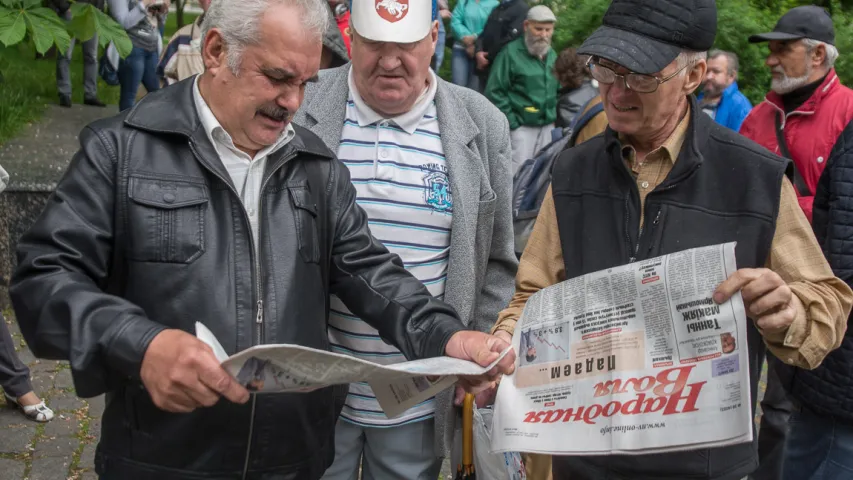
<point>488,466</point>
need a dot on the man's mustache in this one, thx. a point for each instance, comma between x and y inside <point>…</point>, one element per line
<point>274,112</point>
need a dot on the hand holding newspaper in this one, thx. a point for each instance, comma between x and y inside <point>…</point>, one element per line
<point>294,368</point>
<point>635,359</point>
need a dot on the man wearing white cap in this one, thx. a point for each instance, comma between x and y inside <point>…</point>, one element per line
<point>523,86</point>
<point>431,165</point>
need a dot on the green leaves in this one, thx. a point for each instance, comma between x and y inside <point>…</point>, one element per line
<point>87,21</point>
<point>13,27</point>
<point>20,19</point>
<point>42,25</point>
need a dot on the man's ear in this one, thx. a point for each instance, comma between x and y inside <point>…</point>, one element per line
<point>214,51</point>
<point>433,33</point>
<point>695,76</point>
<point>818,56</point>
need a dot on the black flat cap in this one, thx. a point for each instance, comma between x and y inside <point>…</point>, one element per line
<point>645,36</point>
<point>809,21</point>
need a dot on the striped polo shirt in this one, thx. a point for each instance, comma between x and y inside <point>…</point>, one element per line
<point>401,179</point>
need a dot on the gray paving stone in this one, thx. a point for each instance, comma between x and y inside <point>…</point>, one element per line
<point>65,402</point>
<point>89,475</point>
<point>96,406</point>
<point>17,439</point>
<point>26,356</point>
<point>11,417</point>
<point>42,383</point>
<point>87,458</point>
<point>63,379</point>
<point>62,426</point>
<point>50,468</point>
<point>56,447</point>
<point>12,469</point>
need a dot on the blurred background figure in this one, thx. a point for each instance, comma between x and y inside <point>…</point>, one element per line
<point>182,56</point>
<point>469,19</point>
<point>443,14</point>
<point>721,98</point>
<point>141,65</point>
<point>522,85</point>
<point>90,60</point>
<point>576,86</point>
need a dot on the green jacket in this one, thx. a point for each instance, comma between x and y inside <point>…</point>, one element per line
<point>523,87</point>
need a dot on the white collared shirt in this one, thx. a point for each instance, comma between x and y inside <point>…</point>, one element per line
<point>402,183</point>
<point>246,172</point>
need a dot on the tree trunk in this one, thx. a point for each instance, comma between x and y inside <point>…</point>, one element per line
<point>179,12</point>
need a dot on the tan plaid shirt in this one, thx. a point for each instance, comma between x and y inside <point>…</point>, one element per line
<point>822,301</point>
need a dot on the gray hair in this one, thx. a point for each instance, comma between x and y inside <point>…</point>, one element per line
<point>688,58</point>
<point>831,51</point>
<point>731,60</point>
<point>237,22</point>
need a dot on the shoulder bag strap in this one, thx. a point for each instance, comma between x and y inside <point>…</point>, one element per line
<point>796,177</point>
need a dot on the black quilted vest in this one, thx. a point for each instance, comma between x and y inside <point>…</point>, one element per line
<point>722,188</point>
<point>828,389</point>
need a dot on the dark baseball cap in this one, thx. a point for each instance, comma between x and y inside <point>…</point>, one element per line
<point>809,21</point>
<point>645,36</point>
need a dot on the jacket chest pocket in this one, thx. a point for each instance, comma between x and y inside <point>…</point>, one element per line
<point>166,220</point>
<point>305,216</point>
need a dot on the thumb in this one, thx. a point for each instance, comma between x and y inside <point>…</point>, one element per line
<point>217,379</point>
<point>459,396</point>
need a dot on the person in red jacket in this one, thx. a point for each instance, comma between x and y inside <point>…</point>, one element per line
<point>806,94</point>
<point>801,118</point>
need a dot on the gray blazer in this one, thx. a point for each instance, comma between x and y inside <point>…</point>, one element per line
<point>475,138</point>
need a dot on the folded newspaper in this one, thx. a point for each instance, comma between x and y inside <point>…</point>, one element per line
<point>634,359</point>
<point>293,368</point>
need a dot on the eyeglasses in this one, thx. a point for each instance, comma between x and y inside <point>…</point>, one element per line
<point>637,82</point>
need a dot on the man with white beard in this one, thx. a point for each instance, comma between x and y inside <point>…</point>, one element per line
<point>523,86</point>
<point>803,118</point>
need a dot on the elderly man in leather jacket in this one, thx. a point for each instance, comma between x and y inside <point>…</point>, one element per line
<point>203,203</point>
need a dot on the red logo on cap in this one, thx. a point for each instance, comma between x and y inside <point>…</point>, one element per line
<point>392,10</point>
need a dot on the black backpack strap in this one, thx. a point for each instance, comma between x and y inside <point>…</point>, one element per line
<point>793,172</point>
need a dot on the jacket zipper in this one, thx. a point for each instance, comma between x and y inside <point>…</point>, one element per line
<point>259,318</point>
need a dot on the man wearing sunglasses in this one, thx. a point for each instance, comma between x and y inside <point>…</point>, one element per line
<point>664,177</point>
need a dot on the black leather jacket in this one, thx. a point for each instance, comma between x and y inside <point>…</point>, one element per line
<point>146,232</point>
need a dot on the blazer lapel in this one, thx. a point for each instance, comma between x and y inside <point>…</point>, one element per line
<point>464,163</point>
<point>326,108</point>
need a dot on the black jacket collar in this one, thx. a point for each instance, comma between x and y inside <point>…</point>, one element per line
<point>171,111</point>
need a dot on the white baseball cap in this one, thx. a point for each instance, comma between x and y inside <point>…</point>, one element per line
<point>397,21</point>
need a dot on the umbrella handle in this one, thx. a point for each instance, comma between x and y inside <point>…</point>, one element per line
<point>468,430</point>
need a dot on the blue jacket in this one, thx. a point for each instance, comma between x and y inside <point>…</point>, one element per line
<point>733,108</point>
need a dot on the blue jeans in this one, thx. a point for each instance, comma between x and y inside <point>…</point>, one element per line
<point>439,46</point>
<point>818,448</point>
<point>139,67</point>
<point>463,71</point>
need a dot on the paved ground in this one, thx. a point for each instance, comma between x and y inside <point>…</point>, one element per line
<point>61,449</point>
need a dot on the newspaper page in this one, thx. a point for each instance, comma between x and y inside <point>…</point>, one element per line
<point>631,360</point>
<point>294,368</point>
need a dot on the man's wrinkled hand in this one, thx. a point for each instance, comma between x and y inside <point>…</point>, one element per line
<point>482,349</point>
<point>181,374</point>
<point>767,298</point>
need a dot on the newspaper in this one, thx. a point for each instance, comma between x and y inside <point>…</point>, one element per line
<point>635,359</point>
<point>294,368</point>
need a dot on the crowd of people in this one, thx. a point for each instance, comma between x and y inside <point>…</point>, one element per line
<point>306,177</point>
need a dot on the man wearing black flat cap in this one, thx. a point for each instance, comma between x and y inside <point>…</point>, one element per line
<point>807,118</point>
<point>664,177</point>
